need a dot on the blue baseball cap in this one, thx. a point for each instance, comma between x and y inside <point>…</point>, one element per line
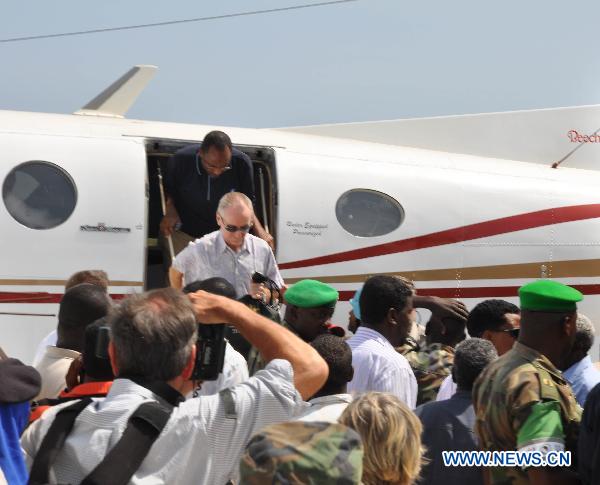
<point>355,302</point>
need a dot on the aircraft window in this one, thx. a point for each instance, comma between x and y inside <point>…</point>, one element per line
<point>39,195</point>
<point>368,213</point>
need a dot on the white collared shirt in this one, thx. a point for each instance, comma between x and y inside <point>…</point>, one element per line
<point>53,368</point>
<point>200,444</point>
<point>49,341</point>
<point>209,257</point>
<point>447,389</point>
<point>326,408</point>
<point>379,367</point>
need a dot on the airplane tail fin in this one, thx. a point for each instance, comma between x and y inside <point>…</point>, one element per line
<point>116,99</point>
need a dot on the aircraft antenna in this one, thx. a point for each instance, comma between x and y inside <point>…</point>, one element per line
<point>556,164</point>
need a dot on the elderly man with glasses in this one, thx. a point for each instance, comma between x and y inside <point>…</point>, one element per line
<point>230,252</point>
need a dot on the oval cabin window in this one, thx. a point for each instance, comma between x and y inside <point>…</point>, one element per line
<point>39,195</point>
<point>368,213</point>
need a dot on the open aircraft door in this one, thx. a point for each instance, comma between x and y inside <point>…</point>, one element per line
<point>69,203</point>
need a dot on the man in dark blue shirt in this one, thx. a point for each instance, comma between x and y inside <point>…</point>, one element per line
<point>589,439</point>
<point>449,425</point>
<point>196,178</point>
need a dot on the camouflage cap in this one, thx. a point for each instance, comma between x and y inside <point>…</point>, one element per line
<point>311,294</point>
<point>549,296</point>
<point>301,452</point>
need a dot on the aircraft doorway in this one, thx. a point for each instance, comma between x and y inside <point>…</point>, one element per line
<point>158,153</point>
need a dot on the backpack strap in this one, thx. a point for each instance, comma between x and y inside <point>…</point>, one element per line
<point>124,459</point>
<point>54,441</point>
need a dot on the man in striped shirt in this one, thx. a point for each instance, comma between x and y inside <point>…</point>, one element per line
<point>152,351</point>
<point>386,307</point>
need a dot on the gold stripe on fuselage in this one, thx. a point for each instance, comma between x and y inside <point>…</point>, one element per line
<point>547,269</point>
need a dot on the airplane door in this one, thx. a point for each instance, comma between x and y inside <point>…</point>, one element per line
<point>69,203</point>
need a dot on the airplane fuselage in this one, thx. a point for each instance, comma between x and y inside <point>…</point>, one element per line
<point>460,226</point>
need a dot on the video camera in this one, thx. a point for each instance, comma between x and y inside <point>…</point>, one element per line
<point>211,343</point>
<point>268,310</point>
<point>210,352</point>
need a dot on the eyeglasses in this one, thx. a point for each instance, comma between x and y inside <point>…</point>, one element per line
<point>219,168</point>
<point>513,332</point>
<point>232,228</point>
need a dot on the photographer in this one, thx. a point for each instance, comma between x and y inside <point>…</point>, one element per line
<point>152,352</point>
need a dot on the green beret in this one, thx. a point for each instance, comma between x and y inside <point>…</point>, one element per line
<point>300,452</point>
<point>311,294</point>
<point>549,296</point>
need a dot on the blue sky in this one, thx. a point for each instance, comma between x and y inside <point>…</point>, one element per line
<point>360,61</point>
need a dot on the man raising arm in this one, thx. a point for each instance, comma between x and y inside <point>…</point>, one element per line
<point>152,352</point>
<point>271,339</point>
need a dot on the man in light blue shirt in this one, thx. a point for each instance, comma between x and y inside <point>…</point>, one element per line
<point>581,373</point>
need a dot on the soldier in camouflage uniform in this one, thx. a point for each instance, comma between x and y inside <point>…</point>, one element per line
<point>521,401</point>
<point>432,362</point>
<point>309,307</point>
<point>303,453</point>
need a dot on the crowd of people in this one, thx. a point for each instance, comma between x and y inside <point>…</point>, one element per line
<point>114,394</point>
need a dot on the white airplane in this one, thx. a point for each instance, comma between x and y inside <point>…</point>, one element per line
<point>81,192</point>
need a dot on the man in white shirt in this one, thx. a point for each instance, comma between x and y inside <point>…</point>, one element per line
<point>92,276</point>
<point>330,401</point>
<point>230,252</point>
<point>386,308</point>
<point>152,352</point>
<point>80,306</point>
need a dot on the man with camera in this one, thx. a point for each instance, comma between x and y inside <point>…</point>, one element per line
<point>153,354</point>
<point>230,252</point>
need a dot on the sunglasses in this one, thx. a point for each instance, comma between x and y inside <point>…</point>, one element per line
<point>513,332</point>
<point>232,228</point>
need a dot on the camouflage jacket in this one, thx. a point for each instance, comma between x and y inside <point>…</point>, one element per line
<point>431,364</point>
<point>300,452</point>
<point>522,402</point>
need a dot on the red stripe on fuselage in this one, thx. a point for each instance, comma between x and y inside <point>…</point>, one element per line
<point>465,292</point>
<point>494,227</point>
<point>39,297</point>
<point>480,292</point>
